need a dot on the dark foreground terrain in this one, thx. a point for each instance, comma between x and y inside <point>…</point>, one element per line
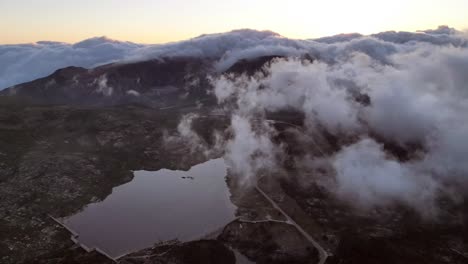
<point>58,156</point>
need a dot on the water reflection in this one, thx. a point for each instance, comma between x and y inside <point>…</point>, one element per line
<point>157,206</point>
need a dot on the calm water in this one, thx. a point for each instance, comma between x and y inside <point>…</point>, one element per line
<point>157,206</point>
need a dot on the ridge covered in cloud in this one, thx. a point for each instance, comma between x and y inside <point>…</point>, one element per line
<point>26,62</point>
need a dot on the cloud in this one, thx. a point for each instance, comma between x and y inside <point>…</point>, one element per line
<point>417,100</point>
<point>297,85</point>
<point>227,48</point>
<point>103,88</point>
<point>441,30</point>
<point>26,62</point>
<point>366,176</point>
<point>443,35</point>
<point>436,37</point>
<point>339,38</point>
<point>251,149</point>
<point>188,136</point>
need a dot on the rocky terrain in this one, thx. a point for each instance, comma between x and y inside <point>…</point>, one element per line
<point>56,159</point>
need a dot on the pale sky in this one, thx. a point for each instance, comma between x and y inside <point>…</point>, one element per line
<point>158,21</point>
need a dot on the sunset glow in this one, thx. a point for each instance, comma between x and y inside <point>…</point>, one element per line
<point>157,21</point>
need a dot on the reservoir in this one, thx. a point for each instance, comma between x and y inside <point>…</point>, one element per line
<point>156,207</point>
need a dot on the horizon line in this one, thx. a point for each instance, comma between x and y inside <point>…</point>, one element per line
<point>464,30</point>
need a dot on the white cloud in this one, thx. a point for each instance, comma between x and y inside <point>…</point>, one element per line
<point>133,92</point>
<point>366,176</point>
<point>26,62</point>
<point>103,88</point>
<point>418,97</point>
<point>293,84</point>
<point>250,150</point>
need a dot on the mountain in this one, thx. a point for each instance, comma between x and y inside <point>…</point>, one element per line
<point>156,83</point>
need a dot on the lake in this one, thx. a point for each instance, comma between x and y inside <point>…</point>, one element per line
<point>155,207</point>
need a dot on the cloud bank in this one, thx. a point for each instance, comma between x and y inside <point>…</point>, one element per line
<point>406,144</point>
<point>26,62</point>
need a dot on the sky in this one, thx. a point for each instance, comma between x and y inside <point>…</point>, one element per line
<point>160,21</point>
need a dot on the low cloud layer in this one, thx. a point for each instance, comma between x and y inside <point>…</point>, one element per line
<point>417,103</point>
<point>26,62</point>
